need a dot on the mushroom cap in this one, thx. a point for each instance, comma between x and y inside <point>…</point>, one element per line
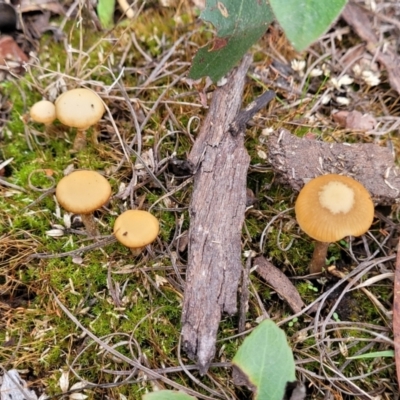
<point>43,111</point>
<point>136,228</point>
<point>82,192</point>
<point>79,108</point>
<point>331,207</point>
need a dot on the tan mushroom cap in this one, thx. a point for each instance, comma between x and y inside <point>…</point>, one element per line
<point>43,111</point>
<point>136,228</point>
<point>79,108</point>
<point>331,207</point>
<point>83,192</point>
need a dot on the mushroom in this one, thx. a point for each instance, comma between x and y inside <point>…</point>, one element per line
<point>83,192</point>
<point>136,229</point>
<point>43,112</point>
<point>329,208</point>
<point>80,109</point>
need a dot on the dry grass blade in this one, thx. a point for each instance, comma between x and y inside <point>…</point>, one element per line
<point>396,314</point>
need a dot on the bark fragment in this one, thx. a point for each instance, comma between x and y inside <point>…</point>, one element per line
<point>297,160</point>
<point>217,211</point>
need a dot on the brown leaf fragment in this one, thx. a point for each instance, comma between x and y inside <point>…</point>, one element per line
<point>361,122</point>
<point>354,120</point>
<point>279,282</point>
<point>396,314</point>
<point>11,54</point>
<point>340,117</point>
<point>298,160</point>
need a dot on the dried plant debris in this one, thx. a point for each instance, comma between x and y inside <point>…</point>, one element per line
<point>355,120</point>
<point>359,19</point>
<point>396,313</point>
<point>297,160</point>
<point>280,282</point>
<point>14,388</point>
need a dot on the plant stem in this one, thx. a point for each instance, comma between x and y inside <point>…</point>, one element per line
<point>318,258</point>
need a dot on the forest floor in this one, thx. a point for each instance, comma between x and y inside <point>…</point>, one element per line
<point>154,112</point>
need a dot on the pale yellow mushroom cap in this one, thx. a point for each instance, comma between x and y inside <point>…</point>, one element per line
<point>331,207</point>
<point>83,192</point>
<point>43,111</point>
<point>79,108</point>
<point>136,228</point>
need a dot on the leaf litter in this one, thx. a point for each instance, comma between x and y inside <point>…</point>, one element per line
<point>361,259</point>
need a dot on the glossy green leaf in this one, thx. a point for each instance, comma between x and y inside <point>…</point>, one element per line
<point>105,12</point>
<point>304,21</point>
<point>266,361</point>
<point>239,24</point>
<point>167,395</point>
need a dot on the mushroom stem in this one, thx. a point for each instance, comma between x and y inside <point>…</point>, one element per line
<point>80,140</point>
<point>136,251</point>
<point>319,256</point>
<point>90,224</point>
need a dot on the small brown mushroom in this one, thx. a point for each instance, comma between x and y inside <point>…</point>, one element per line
<point>43,112</point>
<point>83,192</point>
<point>136,229</point>
<point>80,109</point>
<point>329,208</point>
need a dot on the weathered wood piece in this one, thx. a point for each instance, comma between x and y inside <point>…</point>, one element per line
<point>217,211</point>
<point>297,160</point>
<point>279,282</point>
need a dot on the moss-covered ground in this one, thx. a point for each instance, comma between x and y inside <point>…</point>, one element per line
<point>134,303</point>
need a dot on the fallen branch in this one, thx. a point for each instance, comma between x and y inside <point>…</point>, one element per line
<point>217,213</point>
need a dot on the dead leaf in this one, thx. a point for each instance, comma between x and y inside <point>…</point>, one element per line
<point>279,282</point>
<point>10,52</point>
<point>355,120</point>
<point>64,381</point>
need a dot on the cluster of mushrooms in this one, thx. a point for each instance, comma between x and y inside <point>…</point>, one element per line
<point>77,108</point>
<point>328,208</point>
<point>82,191</point>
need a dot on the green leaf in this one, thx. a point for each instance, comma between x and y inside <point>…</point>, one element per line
<point>167,395</point>
<point>375,354</point>
<point>239,24</point>
<point>105,12</point>
<point>304,21</point>
<point>266,360</point>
